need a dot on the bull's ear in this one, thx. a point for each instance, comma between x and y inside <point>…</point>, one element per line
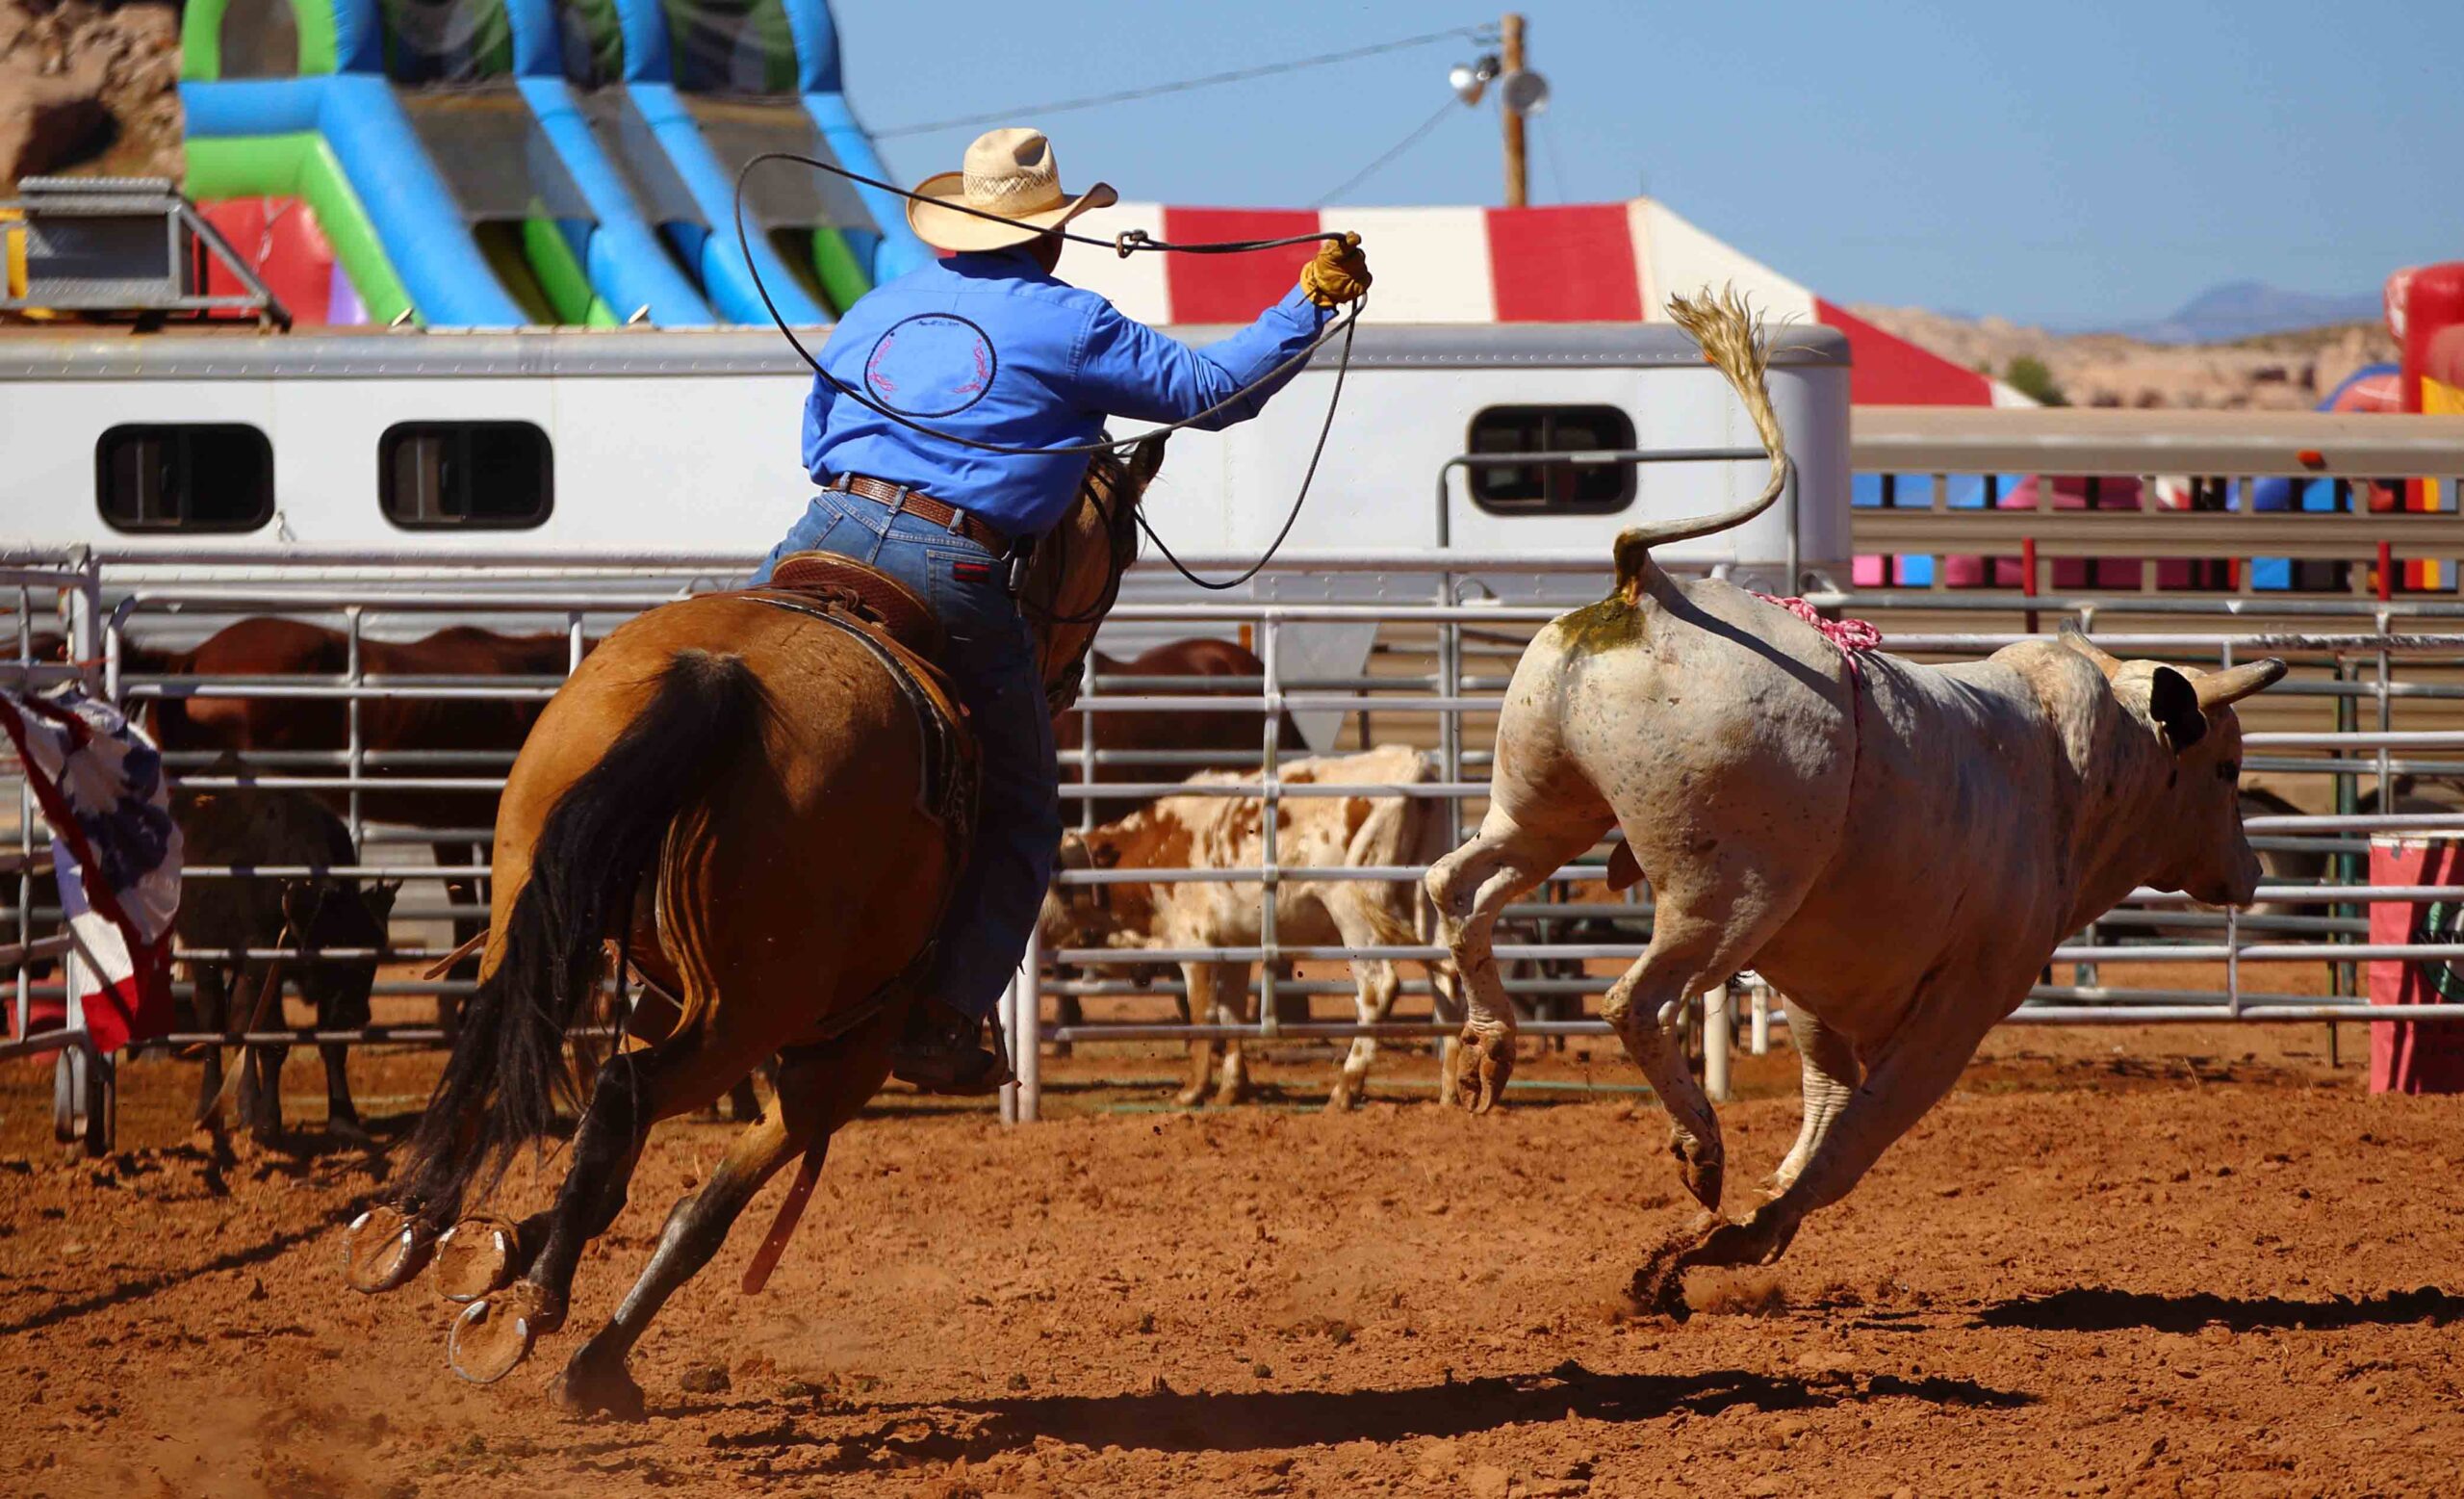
<point>2173,703</point>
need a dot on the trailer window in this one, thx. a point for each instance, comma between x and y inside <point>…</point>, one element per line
<point>1553,488</point>
<point>184,476</point>
<point>481,476</point>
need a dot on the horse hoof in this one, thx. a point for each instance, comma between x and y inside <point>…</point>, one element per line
<point>586,1392</point>
<point>474,1257</point>
<point>493,1335</point>
<point>384,1249</point>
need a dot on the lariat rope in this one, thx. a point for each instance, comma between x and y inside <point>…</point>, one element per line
<point>1122,245</point>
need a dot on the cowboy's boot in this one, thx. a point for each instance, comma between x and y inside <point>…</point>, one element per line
<point>942,1052</point>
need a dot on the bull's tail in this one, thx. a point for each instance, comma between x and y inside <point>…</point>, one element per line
<point>1733,338</point>
<point>509,1068</point>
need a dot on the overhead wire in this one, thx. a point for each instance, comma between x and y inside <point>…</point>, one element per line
<point>1556,169</point>
<point>1418,133</point>
<point>1476,34</point>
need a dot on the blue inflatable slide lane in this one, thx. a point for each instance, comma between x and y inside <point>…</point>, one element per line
<point>623,255</point>
<point>354,109</point>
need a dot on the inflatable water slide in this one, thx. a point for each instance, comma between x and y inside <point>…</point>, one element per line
<point>502,163</point>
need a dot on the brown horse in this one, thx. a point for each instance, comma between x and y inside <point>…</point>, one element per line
<point>750,780</point>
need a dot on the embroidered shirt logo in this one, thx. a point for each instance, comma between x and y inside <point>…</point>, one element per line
<point>935,364</point>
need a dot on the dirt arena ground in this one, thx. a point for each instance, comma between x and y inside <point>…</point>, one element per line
<point>2142,1261</point>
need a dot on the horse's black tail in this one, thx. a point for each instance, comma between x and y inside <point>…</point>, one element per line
<point>509,1069</point>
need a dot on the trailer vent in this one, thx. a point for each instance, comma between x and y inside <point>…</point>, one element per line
<point>1553,489</point>
<point>187,477</point>
<point>478,476</point>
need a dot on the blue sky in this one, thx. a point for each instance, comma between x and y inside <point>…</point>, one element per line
<point>2079,163</point>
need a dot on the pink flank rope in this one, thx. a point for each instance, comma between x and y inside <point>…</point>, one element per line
<point>1853,637</point>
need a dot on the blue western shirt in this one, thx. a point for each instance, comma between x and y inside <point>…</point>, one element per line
<point>989,346</point>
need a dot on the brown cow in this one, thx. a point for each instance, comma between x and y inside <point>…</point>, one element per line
<point>268,647</point>
<point>252,826</point>
<point>1236,737</point>
<point>264,646</point>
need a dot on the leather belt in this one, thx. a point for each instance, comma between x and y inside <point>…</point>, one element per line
<point>924,508</point>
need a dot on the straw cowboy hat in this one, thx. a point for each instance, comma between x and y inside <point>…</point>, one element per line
<point>1010,173</point>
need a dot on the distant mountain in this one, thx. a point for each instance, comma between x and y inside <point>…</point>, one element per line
<point>2247,309</point>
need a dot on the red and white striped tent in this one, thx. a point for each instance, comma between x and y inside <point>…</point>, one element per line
<point>1577,263</point>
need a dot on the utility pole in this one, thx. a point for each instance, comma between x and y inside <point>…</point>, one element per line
<point>1517,195</point>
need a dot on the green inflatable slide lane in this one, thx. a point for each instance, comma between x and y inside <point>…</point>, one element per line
<point>562,275</point>
<point>201,38</point>
<point>302,166</point>
<point>843,278</point>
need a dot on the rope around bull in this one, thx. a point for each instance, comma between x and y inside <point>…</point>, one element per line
<point>1124,245</point>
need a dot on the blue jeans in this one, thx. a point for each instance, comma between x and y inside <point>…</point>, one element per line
<point>991,663</point>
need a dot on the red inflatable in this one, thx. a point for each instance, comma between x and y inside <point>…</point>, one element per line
<point>2426,312</point>
<point>279,237</point>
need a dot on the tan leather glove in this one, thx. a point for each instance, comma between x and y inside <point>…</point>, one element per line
<point>1339,274</point>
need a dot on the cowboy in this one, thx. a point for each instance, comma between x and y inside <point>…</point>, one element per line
<point>987,345</point>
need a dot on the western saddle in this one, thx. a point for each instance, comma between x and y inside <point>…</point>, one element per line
<point>906,637</point>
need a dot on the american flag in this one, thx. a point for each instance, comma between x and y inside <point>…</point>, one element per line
<point>99,783</point>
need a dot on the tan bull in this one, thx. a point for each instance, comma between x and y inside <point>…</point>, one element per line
<point>1898,848</point>
<point>1199,832</point>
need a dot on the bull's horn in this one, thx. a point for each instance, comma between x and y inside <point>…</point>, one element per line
<point>2077,639</point>
<point>1732,338</point>
<point>2224,689</point>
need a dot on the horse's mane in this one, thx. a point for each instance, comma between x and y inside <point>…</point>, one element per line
<point>1106,487</point>
<point>1107,479</point>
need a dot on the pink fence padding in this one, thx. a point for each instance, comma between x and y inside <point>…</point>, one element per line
<point>2427,1057</point>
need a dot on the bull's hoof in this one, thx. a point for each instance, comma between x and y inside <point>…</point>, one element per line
<point>1704,1172</point>
<point>384,1249</point>
<point>1484,1063</point>
<point>1190,1097</point>
<point>591,1387</point>
<point>475,1257</point>
<point>494,1335</point>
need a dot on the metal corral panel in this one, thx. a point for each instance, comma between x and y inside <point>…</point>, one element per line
<point>2065,440</point>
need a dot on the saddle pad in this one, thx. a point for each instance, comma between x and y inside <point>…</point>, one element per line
<point>947,776</point>
<point>870,594</point>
